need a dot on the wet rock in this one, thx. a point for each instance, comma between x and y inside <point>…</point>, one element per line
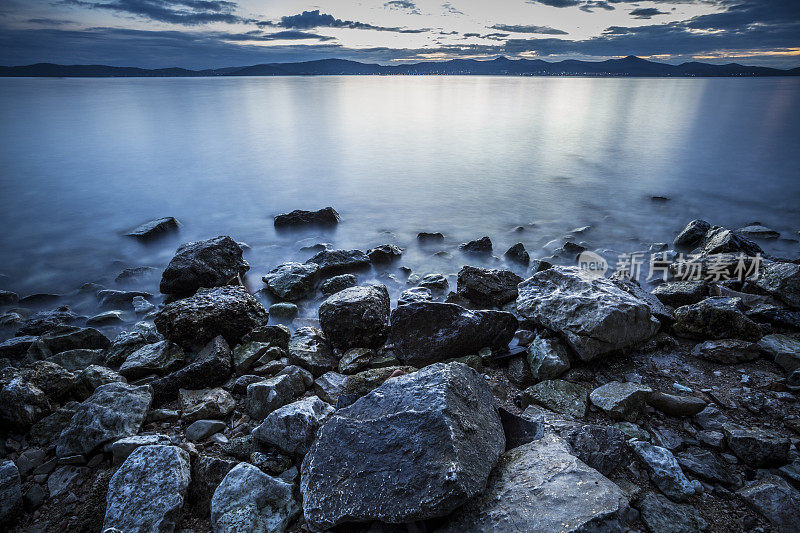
<point>664,470</point>
<point>135,273</point>
<point>128,342</point>
<point>429,238</point>
<point>77,360</point>
<point>329,386</point>
<point>692,233</point>
<point>93,376</point>
<point>21,402</point>
<point>518,372</point>
<point>245,355</point>
<point>211,367</point>
<point>113,411</point>
<point>112,299</point>
<point>141,306</point>
<point>63,338</point>
<point>557,395</point>
<point>326,216</point>
<point>148,490</point>
<point>781,280</point>
<point>664,516</point>
<point>415,294</point>
<point>363,383</point>
<point>427,332</point>
<point>680,293</point>
<point>600,447</point>
<point>8,298</point>
<point>487,287</point>
<point>621,401</point>
<point>356,317</point>
<point>727,351</point>
<point>703,464</point>
<point>292,281</point>
<point>482,246</point>
<point>437,283</point>
<point>594,315</point>
<point>757,447</point>
<point>676,405</point>
<point>518,254</point>
<point>158,358</point>
<point>721,240</point>
<point>154,228</point>
<point>293,427</point>
<point>266,396</point>
<point>276,335</point>
<point>10,492</point>
<point>124,447</point>
<point>202,429</point>
<point>16,347</point>
<point>544,487</point>
<point>309,349</point>
<point>774,498</point>
<point>208,472</point>
<point>384,254</point>
<point>785,350</point>
<point>210,263</point>
<point>715,318</point>
<point>215,404</point>
<point>355,360</point>
<point>547,358</point>
<point>340,261</point>
<point>44,321</point>
<point>227,311</point>
<point>338,283</point>
<point>757,231</point>
<point>659,310</point>
<point>250,500</point>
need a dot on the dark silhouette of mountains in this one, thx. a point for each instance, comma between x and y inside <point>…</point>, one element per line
<point>627,66</point>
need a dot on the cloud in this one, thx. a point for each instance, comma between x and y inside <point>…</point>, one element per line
<point>448,8</point>
<point>647,12</point>
<point>521,28</point>
<point>315,19</point>
<point>556,3</point>
<point>591,5</point>
<point>288,35</point>
<point>405,5</point>
<point>50,22</point>
<point>185,12</point>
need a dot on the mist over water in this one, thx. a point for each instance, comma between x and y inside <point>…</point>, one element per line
<point>82,161</point>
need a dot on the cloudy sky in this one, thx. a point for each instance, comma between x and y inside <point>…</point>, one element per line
<point>218,33</point>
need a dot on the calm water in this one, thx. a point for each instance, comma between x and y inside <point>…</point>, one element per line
<point>82,161</point>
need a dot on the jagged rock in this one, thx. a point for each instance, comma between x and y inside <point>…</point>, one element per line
<point>309,349</point>
<point>292,281</point>
<point>211,367</point>
<point>16,347</point>
<point>326,216</point>
<point>482,246</point>
<point>658,309</point>
<point>518,254</point>
<point>77,360</point>
<point>430,436</point>
<point>427,332</point>
<point>692,233</point>
<point>774,498</point>
<point>208,472</point>
<point>124,447</point>
<point>703,464</point>
<point>276,335</point>
<point>340,261</point>
<point>519,430</point>
<point>113,411</point>
<point>601,447</point>
<point>135,273</point>
<point>361,384</point>
<point>210,263</point>
<point>48,429</point>
<point>664,516</point>
<point>245,355</point>
<point>722,240</point>
<point>711,418</point>
<point>540,486</point>
<point>158,358</point>
<point>329,386</point>
<point>10,492</point>
<point>148,490</point>
<point>356,317</point>
<point>63,478</point>
<point>680,293</point>
<point>266,396</point>
<point>621,401</point>
<point>675,405</point>
<point>415,294</point>
<point>205,403</point>
<point>781,280</point>
<point>437,283</point>
<point>355,360</point>
<point>227,311</point>
<point>559,396</point>
<point>383,254</point>
<point>141,306</point>
<point>715,318</point>
<point>154,228</point>
<point>519,372</point>
<point>202,429</point>
<point>337,283</point>
<point>128,342</point>
<point>42,322</point>
<point>22,403</point>
<point>487,287</point>
<point>547,358</point>
<point>293,427</point>
<point>250,500</point>
<point>727,351</point>
<point>593,314</point>
<point>664,470</point>
<point>785,350</point>
<point>91,377</point>
<point>63,338</point>
<point>757,447</point>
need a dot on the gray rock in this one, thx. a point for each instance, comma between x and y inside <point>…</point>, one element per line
<point>283,310</point>
<point>124,447</point>
<point>547,358</point>
<point>356,317</point>
<point>427,332</point>
<point>757,447</point>
<point>329,386</point>
<point>293,427</point>
<point>676,405</point>
<point>116,300</point>
<point>276,334</point>
<point>10,492</point>
<point>361,384</point>
<point>211,367</point>
<point>8,298</point>
<point>107,318</point>
<point>292,281</point>
<point>211,263</point>
<point>482,246</point>
<point>425,237</point>
<point>594,315</point>
<point>384,254</point>
<point>208,471</point>
<point>601,447</point>
<point>44,321</point>
<point>309,349</point>
<point>154,228</point>
<point>785,350</point>
<point>246,354</point>
<point>518,254</point>
<point>757,231</point>
<point>63,479</point>
<point>711,418</point>
<point>487,287</point>
<point>148,490</point>
<point>715,318</point>
<point>215,404</point>
<point>557,395</point>
<point>77,360</point>
<point>128,342</point>
<point>519,430</point>
<point>781,280</point>
<point>774,498</point>
<point>703,464</point>
<point>664,516</point>
<point>158,358</point>
<point>202,429</point>
<point>266,396</point>
<point>692,233</point>
<point>722,240</point>
<point>658,309</point>
<point>340,261</point>
<point>435,282</point>
<point>63,338</point>
<point>680,293</point>
<point>337,283</point>
<point>664,470</point>
<point>727,351</point>
<point>430,436</point>
<point>621,401</point>
<point>141,306</point>
<point>250,500</point>
<point>540,486</point>
<point>22,403</point>
<point>326,216</point>
<point>519,372</point>
<point>355,360</point>
<point>49,428</point>
<point>415,294</point>
<point>91,377</point>
<point>16,347</point>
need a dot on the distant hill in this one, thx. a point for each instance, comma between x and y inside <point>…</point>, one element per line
<point>502,66</point>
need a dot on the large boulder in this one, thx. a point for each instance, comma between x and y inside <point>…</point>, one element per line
<point>715,318</point>
<point>64,338</point>
<point>594,315</point>
<point>227,311</point>
<point>148,490</point>
<point>113,411</point>
<point>417,447</point>
<point>326,216</point>
<point>309,349</point>
<point>427,332</point>
<point>340,261</point>
<point>211,367</point>
<point>293,427</point>
<point>781,280</point>
<point>487,287</point>
<point>292,281</point>
<point>357,317</point>
<point>541,486</point>
<point>210,263</point>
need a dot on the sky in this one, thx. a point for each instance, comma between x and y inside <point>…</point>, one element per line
<point>201,34</point>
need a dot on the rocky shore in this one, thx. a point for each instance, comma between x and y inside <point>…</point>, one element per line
<point>557,400</point>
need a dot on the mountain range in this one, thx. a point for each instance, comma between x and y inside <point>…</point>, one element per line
<point>502,66</point>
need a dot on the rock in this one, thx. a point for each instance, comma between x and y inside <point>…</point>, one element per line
<point>128,342</point>
<point>659,310</point>
<point>757,447</point>
<point>356,317</point>
<point>250,500</point>
<point>340,261</point>
<point>664,516</point>
<point>384,254</point>
<point>16,347</point>
<point>519,430</point>
<point>482,246</point>
<point>210,263</point>
<point>292,281</point>
<point>547,358</point>
<point>363,383</point>
<point>202,429</point>
<point>703,464</point>
<point>22,403</point>
<point>338,283</point>
<point>427,332</point>
<point>600,447</point>
<point>781,280</point>
<point>727,351</point>
<point>487,287</point>
<point>559,396</point>
<point>621,401</point>
<point>227,311</point>
<point>675,405</point>
<point>757,231</point>
<point>711,418</point>
<point>518,254</point>
<point>664,470</point>
<point>430,436</point>
<point>158,358</point>
<point>680,293</point>
<point>135,273</point>
<point>266,396</point>
<point>245,355</point>
<point>692,233</point>
<point>326,216</point>
<point>355,360</point>
<point>124,447</point>
<point>44,321</point>
<point>293,427</point>
<point>309,349</point>
<point>774,498</point>
<point>415,294</point>
<point>211,367</point>
<point>329,386</point>
<point>283,311</point>
<point>424,237</point>
<point>112,299</point>
<point>93,376</point>
<point>63,478</point>
<point>113,411</point>
<point>715,318</point>
<point>208,472</point>
<point>276,335</point>
<point>148,490</point>
<point>785,350</point>
<point>437,283</point>
<point>594,315</point>
<point>154,228</point>
<point>540,486</point>
<point>77,360</point>
<point>8,298</point>
<point>10,492</point>
<point>721,241</point>
<point>63,338</point>
<point>519,372</point>
<point>141,306</point>
<point>215,404</point>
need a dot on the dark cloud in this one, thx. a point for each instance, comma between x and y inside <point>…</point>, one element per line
<point>524,28</point>
<point>315,19</point>
<point>186,12</point>
<point>591,5</point>
<point>50,22</point>
<point>288,35</point>
<point>405,5</point>
<point>448,8</point>
<point>556,3</point>
<point>647,12</point>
